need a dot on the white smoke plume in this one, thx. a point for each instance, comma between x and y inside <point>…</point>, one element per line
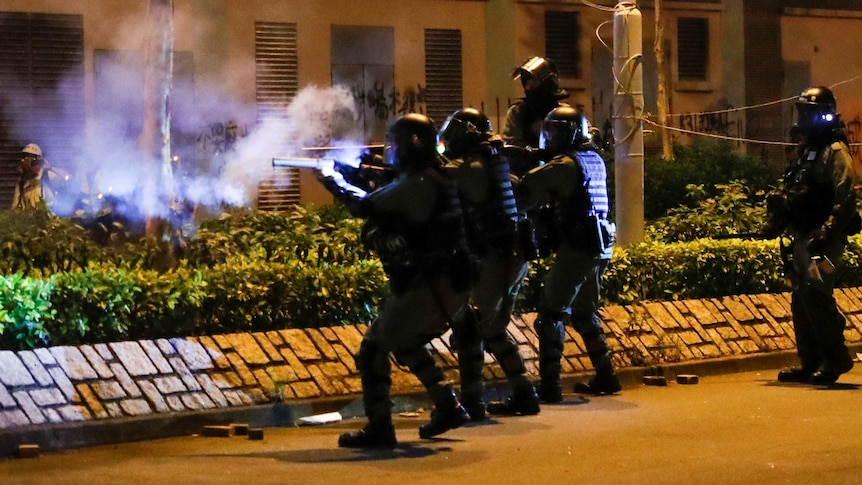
<point>225,172</point>
<point>306,122</point>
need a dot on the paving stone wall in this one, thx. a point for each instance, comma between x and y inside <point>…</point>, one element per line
<point>126,379</point>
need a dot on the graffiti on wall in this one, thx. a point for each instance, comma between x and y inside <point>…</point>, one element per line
<point>854,135</point>
<point>388,101</point>
<point>218,138</point>
<point>717,120</point>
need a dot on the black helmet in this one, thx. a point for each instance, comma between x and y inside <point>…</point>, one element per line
<point>463,130</point>
<point>411,142</point>
<point>816,111</point>
<point>540,78</point>
<point>565,129</point>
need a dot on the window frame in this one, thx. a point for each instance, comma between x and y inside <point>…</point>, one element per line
<point>710,70</point>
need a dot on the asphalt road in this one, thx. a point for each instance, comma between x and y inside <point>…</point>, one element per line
<point>729,429</point>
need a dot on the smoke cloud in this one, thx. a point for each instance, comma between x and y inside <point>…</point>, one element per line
<point>222,151</point>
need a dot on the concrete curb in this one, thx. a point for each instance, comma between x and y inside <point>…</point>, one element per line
<point>62,436</point>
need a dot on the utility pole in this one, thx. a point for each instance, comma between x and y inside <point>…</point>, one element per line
<point>666,143</point>
<point>155,140</point>
<point>628,125</point>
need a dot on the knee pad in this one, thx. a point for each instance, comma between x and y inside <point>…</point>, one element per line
<point>549,329</point>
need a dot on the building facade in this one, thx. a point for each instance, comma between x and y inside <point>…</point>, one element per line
<point>329,71</point>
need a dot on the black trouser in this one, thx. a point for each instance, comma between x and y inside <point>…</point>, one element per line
<point>817,322</point>
<point>573,285</point>
<point>407,322</point>
<point>485,327</point>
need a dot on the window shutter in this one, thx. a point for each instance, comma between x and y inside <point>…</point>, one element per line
<point>39,55</point>
<point>443,70</point>
<point>692,49</point>
<point>276,83</point>
<point>562,31</point>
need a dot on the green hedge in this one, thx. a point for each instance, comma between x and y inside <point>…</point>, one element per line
<point>306,268</point>
<point>108,303</point>
<point>242,271</point>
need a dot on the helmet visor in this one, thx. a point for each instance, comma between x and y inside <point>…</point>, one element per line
<point>814,116</point>
<point>556,135</point>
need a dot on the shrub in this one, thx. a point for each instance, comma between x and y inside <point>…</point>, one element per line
<point>38,243</point>
<point>733,209</point>
<point>708,165</point>
<point>96,304</point>
<point>312,235</point>
<point>247,294</point>
<point>25,306</point>
<point>307,268</point>
<point>704,268</point>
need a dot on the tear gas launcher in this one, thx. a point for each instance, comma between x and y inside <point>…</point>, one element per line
<point>367,172</point>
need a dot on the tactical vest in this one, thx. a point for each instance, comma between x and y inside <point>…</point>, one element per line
<point>492,222</point>
<point>407,248</point>
<point>436,239</point>
<point>809,188</point>
<point>593,200</point>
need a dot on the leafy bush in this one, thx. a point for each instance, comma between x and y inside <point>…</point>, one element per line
<point>307,268</point>
<point>38,243</point>
<point>733,209</point>
<point>24,307</point>
<point>257,295</point>
<point>245,271</point>
<point>709,166</point>
<point>313,236</point>
<point>97,303</point>
<point>704,268</point>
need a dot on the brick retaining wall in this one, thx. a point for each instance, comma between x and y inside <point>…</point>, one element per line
<point>148,377</point>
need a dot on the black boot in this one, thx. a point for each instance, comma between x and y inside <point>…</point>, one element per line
<point>522,402</point>
<point>601,384</point>
<point>378,433</point>
<point>475,407</point>
<point>794,374</point>
<point>375,374</point>
<point>467,340</point>
<point>831,370</point>
<point>550,392</point>
<point>448,413</point>
<point>606,381</point>
<point>549,329</point>
<point>443,420</point>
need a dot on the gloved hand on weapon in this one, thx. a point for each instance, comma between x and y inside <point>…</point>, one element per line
<point>349,195</point>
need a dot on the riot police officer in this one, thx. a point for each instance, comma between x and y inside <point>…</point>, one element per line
<point>485,185</point>
<point>542,93</point>
<point>574,182</point>
<point>815,206</point>
<point>415,226</point>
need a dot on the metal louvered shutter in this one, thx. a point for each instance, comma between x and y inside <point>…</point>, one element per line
<point>692,49</point>
<point>443,91</point>
<point>276,83</point>
<point>562,31</point>
<point>42,68</point>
